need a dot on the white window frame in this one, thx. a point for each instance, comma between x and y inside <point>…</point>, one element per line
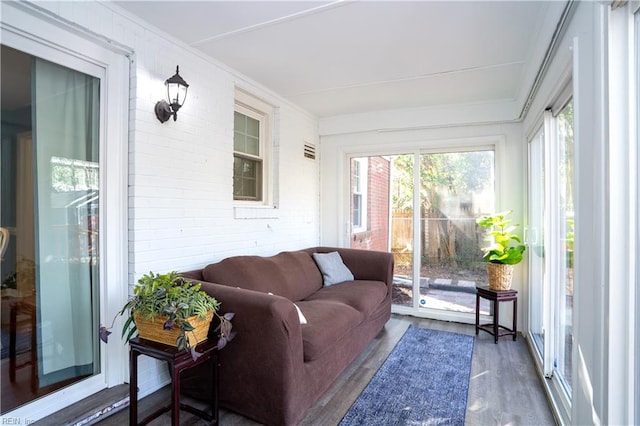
<point>363,179</point>
<point>253,107</point>
<point>636,128</point>
<point>623,348</point>
<point>27,29</point>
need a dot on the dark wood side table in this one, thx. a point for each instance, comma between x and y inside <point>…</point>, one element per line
<point>178,361</point>
<point>497,296</point>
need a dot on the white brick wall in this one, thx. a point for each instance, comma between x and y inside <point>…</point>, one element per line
<point>181,213</point>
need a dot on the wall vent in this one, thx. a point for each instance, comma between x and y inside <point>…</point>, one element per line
<point>309,151</point>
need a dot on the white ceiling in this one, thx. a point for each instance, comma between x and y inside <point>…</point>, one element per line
<point>334,58</point>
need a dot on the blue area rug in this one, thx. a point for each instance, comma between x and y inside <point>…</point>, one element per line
<point>424,381</point>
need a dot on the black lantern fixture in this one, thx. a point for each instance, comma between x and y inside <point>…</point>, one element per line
<point>176,94</point>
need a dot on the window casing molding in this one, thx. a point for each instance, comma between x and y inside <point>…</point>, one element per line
<point>265,113</point>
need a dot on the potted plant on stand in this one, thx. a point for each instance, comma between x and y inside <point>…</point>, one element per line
<point>168,309</point>
<point>504,251</point>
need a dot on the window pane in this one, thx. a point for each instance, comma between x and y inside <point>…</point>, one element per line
<point>239,142</point>
<point>535,239</point>
<point>357,210</point>
<point>253,127</point>
<point>50,207</point>
<point>565,222</point>
<point>381,203</point>
<point>246,134</point>
<point>456,188</point>
<point>402,225</point>
<point>356,176</point>
<point>239,122</point>
<point>247,179</point>
<point>252,145</point>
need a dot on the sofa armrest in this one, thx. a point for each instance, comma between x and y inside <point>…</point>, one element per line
<point>266,353</point>
<point>269,336</point>
<point>258,316</point>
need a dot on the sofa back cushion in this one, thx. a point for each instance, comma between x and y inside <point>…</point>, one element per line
<point>293,275</point>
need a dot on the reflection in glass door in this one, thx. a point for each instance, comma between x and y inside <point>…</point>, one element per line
<point>49,209</point>
<point>435,241</point>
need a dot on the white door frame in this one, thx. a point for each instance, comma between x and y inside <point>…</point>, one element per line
<point>493,142</point>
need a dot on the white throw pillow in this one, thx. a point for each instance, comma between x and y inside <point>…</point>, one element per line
<point>332,268</point>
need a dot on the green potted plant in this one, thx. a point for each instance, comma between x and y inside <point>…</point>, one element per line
<point>171,310</point>
<point>504,251</point>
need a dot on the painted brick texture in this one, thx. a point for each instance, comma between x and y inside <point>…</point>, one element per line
<point>376,237</point>
<point>180,203</point>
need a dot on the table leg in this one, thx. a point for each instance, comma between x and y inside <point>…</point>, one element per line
<point>133,387</point>
<point>175,395</point>
<point>496,320</point>
<point>515,318</point>
<point>13,317</point>
<point>214,395</point>
<point>477,313</point>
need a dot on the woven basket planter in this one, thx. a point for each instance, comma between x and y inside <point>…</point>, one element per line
<point>500,276</point>
<point>153,329</point>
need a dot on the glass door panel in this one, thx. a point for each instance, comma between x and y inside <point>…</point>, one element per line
<point>455,189</point>
<point>49,207</point>
<point>535,239</point>
<point>564,290</point>
<point>550,236</point>
<point>381,213</point>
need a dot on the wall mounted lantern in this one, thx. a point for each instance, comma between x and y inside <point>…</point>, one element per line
<point>176,94</point>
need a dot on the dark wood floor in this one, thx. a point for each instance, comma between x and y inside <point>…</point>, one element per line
<point>504,388</point>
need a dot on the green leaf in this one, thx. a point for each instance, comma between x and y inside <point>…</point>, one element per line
<point>126,326</point>
<point>181,342</point>
<point>133,330</point>
<point>500,235</point>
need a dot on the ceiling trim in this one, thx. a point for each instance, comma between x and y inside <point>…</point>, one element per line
<point>396,80</point>
<point>293,16</point>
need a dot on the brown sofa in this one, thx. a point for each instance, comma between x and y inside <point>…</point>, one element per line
<point>276,367</point>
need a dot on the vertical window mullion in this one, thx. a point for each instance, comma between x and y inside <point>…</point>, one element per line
<point>636,128</point>
<point>550,157</point>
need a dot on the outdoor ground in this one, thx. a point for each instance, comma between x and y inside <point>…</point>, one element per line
<point>441,287</point>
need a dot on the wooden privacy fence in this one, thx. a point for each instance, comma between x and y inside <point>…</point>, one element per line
<point>444,240</point>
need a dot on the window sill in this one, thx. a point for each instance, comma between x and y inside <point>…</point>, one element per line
<point>256,212</point>
<point>361,236</point>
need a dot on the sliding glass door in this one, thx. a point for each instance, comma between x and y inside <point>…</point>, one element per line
<point>550,237</point>
<point>422,207</point>
<point>50,197</point>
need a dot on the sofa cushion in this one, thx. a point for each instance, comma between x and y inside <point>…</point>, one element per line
<point>332,267</point>
<point>364,296</point>
<point>327,322</point>
<point>293,275</point>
